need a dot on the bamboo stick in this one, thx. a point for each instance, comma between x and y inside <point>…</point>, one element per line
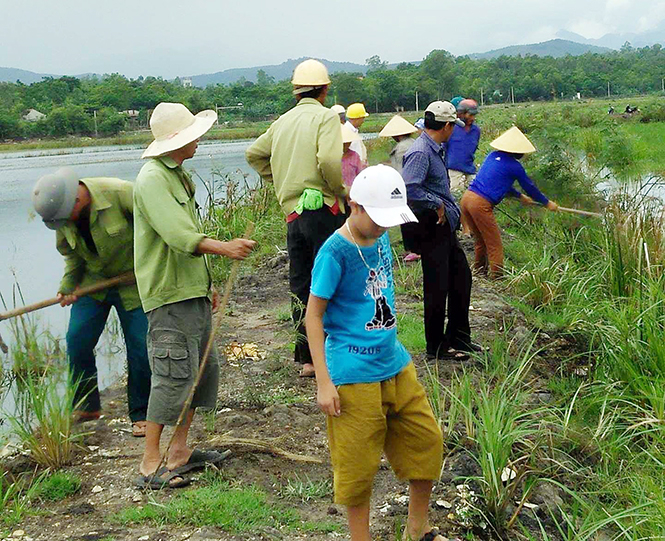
<point>122,279</point>
<point>580,212</point>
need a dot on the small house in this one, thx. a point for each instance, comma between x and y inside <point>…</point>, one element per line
<point>32,115</point>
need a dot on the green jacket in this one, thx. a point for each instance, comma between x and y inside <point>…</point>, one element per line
<point>167,232</point>
<point>301,149</point>
<point>112,231</point>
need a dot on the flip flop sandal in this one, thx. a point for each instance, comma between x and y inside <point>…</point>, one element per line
<point>138,429</point>
<point>162,479</point>
<point>455,354</point>
<point>432,535</point>
<point>200,459</point>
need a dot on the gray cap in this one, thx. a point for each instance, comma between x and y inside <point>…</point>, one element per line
<point>54,197</point>
<point>444,111</point>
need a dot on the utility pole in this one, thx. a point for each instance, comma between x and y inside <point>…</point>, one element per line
<point>482,98</point>
<point>662,82</point>
<point>512,95</point>
<point>608,89</point>
<point>417,108</point>
<point>94,116</point>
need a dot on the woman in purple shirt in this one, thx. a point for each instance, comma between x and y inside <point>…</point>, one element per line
<point>493,182</point>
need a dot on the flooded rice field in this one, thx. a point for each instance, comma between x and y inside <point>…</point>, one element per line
<point>27,248</point>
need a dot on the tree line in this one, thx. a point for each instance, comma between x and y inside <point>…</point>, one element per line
<point>95,105</point>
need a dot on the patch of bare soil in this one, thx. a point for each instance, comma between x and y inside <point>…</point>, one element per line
<point>260,399</point>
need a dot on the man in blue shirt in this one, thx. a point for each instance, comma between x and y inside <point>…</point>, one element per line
<point>446,273</point>
<point>462,146</point>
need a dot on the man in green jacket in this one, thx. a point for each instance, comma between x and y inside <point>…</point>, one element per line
<point>301,153</point>
<point>176,289</point>
<point>93,219</point>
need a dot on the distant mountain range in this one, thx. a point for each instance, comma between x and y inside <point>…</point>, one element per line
<point>554,47</point>
<point>11,75</point>
<point>566,43</point>
<point>279,72</point>
<point>616,41</point>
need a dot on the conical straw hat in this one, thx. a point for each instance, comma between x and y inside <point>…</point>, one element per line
<point>397,126</point>
<point>513,141</point>
<point>349,136</point>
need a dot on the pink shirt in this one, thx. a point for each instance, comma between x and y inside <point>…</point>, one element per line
<point>351,166</point>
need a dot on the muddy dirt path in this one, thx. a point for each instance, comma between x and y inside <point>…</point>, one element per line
<point>260,398</point>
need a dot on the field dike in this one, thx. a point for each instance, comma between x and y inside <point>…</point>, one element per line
<point>554,433</point>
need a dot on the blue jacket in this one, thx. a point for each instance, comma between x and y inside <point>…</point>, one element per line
<point>497,175</point>
<point>461,149</point>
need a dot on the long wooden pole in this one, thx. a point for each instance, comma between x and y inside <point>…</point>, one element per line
<point>122,279</point>
<point>206,353</point>
<point>581,212</point>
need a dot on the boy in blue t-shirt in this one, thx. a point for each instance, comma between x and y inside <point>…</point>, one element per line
<point>367,384</point>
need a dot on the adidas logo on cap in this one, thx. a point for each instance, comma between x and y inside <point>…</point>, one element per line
<point>396,194</point>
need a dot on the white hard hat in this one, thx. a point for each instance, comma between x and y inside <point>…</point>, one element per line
<point>339,109</point>
<point>308,75</point>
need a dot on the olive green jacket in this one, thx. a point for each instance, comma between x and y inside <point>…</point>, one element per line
<point>167,232</point>
<point>301,149</point>
<point>112,230</point>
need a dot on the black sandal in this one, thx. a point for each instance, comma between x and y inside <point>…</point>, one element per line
<point>432,535</point>
<point>161,479</point>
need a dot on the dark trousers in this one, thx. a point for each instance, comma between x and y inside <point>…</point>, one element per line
<point>86,324</point>
<point>304,236</point>
<point>446,282</point>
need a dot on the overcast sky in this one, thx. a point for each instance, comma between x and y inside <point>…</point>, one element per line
<point>189,37</point>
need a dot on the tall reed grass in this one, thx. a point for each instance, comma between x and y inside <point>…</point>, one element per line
<point>43,422</point>
<point>604,286</point>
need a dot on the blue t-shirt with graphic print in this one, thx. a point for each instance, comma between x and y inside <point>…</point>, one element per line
<point>360,321</point>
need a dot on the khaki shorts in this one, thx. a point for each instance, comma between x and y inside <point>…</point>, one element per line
<point>459,180</point>
<point>392,416</point>
<point>177,338</point>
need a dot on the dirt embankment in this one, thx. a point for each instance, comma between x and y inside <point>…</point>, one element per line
<point>258,399</point>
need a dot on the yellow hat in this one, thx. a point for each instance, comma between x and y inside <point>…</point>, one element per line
<point>348,135</point>
<point>356,110</point>
<point>397,126</point>
<point>513,141</point>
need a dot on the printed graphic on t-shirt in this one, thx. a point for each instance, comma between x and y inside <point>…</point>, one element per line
<point>383,318</point>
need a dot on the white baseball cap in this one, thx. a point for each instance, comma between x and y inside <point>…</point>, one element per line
<point>444,111</point>
<point>381,191</point>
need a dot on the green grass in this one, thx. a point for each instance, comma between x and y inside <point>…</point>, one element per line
<point>57,486</point>
<point>220,504</point>
<point>410,329</point>
<point>304,489</point>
